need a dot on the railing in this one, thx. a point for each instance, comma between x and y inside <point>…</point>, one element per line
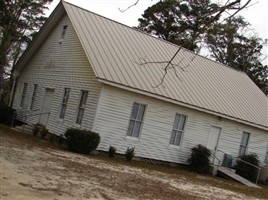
<point>26,114</point>
<point>235,157</point>
<point>21,114</point>
<point>214,155</point>
<point>219,161</point>
<point>257,167</point>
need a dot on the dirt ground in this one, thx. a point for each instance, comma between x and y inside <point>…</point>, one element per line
<point>33,169</point>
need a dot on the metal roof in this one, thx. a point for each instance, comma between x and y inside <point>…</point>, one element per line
<point>115,51</point>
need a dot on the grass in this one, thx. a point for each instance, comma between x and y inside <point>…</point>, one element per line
<point>183,171</point>
<point>26,139</point>
<point>30,141</point>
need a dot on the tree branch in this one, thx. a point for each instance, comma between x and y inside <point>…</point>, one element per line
<point>169,66</point>
<point>134,4</point>
<point>238,10</point>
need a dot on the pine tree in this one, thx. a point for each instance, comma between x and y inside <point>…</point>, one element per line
<point>199,25</point>
<point>229,44</point>
<point>19,21</point>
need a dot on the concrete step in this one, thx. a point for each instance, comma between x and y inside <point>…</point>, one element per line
<point>231,173</point>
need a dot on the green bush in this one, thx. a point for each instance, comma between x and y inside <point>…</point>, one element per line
<point>199,159</point>
<point>112,151</point>
<point>245,170</point>
<point>6,114</point>
<point>129,153</point>
<point>44,133</point>
<point>81,141</point>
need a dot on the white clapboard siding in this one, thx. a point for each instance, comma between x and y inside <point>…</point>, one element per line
<point>60,66</point>
<point>112,120</point>
<point>116,50</point>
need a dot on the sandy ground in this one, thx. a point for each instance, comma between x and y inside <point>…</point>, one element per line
<point>35,172</point>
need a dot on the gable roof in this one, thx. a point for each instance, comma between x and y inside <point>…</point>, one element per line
<point>115,51</point>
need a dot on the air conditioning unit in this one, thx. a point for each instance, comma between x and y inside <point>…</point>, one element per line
<point>227,160</point>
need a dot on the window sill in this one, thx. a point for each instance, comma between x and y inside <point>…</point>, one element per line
<point>60,120</point>
<point>174,146</point>
<point>77,125</point>
<point>132,138</point>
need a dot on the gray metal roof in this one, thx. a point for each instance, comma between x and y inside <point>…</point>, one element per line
<point>114,51</point>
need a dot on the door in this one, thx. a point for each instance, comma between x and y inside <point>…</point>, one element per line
<point>213,140</point>
<point>45,111</point>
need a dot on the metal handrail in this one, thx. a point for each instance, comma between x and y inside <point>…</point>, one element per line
<point>38,114</point>
<point>23,112</point>
<point>26,115</point>
<point>45,113</point>
<point>219,161</point>
<point>259,168</point>
<point>214,155</point>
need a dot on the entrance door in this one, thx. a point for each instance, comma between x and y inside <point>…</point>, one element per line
<point>46,106</point>
<point>213,138</point>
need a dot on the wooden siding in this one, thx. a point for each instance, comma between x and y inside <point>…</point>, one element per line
<point>112,120</point>
<point>60,64</point>
<point>115,51</point>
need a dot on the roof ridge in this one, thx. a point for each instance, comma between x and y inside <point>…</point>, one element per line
<point>161,39</point>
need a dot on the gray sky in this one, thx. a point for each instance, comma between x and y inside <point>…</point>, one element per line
<point>256,14</point>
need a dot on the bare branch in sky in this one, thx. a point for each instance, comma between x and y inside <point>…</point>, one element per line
<point>123,10</point>
<point>239,9</point>
<point>229,5</point>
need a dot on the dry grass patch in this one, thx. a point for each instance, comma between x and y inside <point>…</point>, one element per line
<point>49,169</point>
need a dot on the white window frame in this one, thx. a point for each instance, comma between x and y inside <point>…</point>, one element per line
<point>245,145</point>
<point>81,106</point>
<point>23,95</point>
<point>177,130</point>
<point>33,96</point>
<point>64,103</point>
<point>135,120</point>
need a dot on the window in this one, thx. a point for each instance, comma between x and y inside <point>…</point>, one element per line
<point>63,33</point>
<point>136,120</point>
<point>177,130</point>
<point>33,96</point>
<point>244,144</point>
<point>23,95</point>
<point>64,102</point>
<point>82,105</point>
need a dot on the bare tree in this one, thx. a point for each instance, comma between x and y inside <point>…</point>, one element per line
<point>168,65</point>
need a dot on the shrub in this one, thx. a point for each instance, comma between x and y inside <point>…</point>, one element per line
<point>6,114</point>
<point>245,170</point>
<point>112,151</point>
<point>199,159</point>
<point>129,153</point>
<point>43,133</point>
<point>61,139</point>
<point>81,141</point>
<point>36,130</point>
<point>51,137</point>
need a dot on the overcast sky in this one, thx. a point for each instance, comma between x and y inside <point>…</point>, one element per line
<point>257,14</point>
